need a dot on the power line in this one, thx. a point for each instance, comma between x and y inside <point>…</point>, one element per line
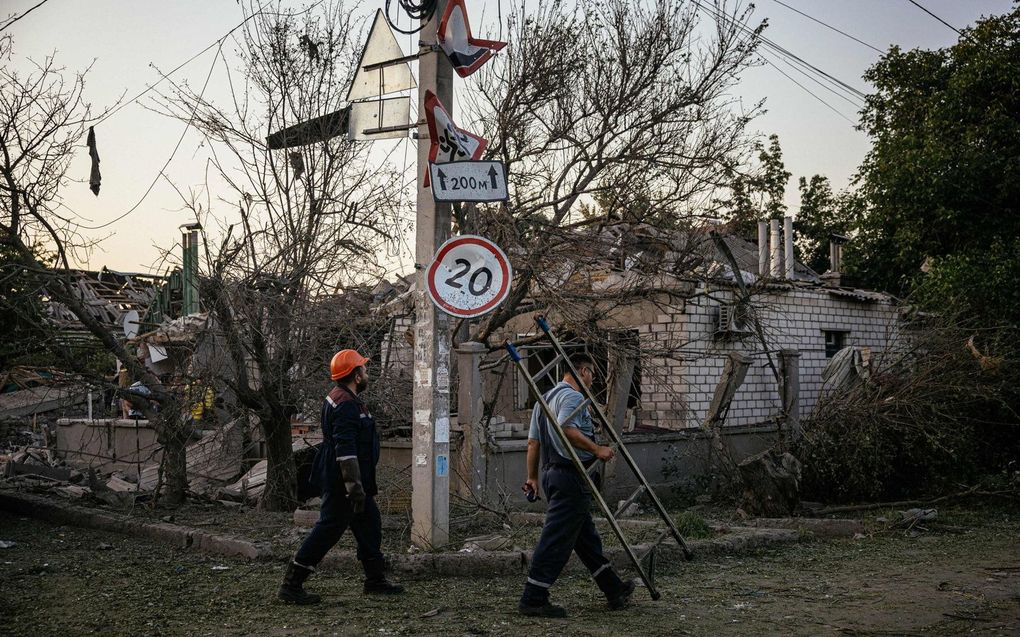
<point>921,7</point>
<point>166,75</point>
<point>18,17</point>
<point>852,101</point>
<point>828,26</point>
<point>788,54</point>
<point>219,44</point>
<point>784,53</point>
<point>813,94</point>
<point>180,139</point>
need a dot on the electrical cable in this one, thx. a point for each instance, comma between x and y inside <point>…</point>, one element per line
<point>848,100</point>
<point>421,10</point>
<point>194,112</point>
<point>784,53</point>
<point>220,41</point>
<point>828,26</point>
<point>921,7</point>
<point>812,94</point>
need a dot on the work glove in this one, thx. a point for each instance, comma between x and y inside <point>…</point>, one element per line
<point>351,474</point>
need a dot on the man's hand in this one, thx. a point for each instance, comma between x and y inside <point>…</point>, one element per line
<point>530,489</point>
<point>356,494</point>
<point>605,453</point>
<point>351,474</point>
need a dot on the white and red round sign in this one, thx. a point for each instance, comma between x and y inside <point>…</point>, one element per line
<point>469,276</point>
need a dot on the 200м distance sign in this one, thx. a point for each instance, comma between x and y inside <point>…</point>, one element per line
<point>469,276</point>
<point>479,181</point>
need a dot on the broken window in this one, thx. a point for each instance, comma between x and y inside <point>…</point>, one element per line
<point>626,362</point>
<point>835,340</point>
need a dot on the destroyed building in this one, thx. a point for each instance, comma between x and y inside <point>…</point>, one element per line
<point>661,361</point>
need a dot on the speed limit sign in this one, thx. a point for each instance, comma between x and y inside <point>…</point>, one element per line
<point>469,276</point>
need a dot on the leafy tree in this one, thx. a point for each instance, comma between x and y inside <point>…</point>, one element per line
<point>980,283</point>
<point>943,176</point>
<point>822,213</point>
<point>757,195</point>
<point>23,325</point>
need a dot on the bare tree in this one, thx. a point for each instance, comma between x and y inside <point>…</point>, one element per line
<point>302,227</point>
<point>43,119</point>
<point>617,100</point>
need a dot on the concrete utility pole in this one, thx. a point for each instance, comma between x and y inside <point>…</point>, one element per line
<point>430,446</point>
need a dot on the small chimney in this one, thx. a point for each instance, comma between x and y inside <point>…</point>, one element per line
<point>763,248</point>
<point>834,276</point>
<point>788,245</point>
<point>775,249</point>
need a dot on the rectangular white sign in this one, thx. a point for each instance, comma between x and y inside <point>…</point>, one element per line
<point>469,181</point>
<point>379,119</point>
<point>442,430</point>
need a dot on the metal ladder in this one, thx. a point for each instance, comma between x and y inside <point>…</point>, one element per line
<point>647,574</point>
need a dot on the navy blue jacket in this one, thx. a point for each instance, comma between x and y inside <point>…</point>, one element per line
<point>348,429</point>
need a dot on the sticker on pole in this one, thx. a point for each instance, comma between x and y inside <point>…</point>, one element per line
<point>469,276</point>
<point>469,181</point>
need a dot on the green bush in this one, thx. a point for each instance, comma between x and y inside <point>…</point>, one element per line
<point>692,525</point>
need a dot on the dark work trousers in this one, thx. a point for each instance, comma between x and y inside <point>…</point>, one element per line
<point>568,527</point>
<point>335,515</point>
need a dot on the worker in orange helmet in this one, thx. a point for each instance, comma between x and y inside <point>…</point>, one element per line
<point>344,470</point>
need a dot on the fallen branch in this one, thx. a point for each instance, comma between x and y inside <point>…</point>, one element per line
<point>973,491</point>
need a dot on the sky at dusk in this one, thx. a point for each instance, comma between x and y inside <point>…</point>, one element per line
<point>126,42</point>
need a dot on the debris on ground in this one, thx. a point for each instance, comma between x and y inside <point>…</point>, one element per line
<point>71,491</point>
<point>912,519</point>
<point>495,542</point>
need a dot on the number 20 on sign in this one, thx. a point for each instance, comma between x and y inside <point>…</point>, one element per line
<point>469,276</point>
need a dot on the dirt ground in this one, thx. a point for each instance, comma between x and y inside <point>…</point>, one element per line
<point>964,579</point>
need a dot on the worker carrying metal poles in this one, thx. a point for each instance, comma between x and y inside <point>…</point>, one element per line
<point>568,522</point>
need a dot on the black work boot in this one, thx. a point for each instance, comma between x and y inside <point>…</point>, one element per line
<point>292,591</point>
<point>543,610</point>
<point>375,582</point>
<point>535,603</point>
<point>622,597</point>
<point>617,591</point>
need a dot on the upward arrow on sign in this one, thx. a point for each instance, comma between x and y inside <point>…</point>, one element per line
<point>469,181</point>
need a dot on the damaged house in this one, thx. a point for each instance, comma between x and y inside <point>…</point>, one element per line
<point>662,356</point>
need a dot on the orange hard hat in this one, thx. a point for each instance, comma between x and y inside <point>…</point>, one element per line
<point>344,362</point>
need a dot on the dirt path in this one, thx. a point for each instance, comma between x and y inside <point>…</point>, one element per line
<point>69,581</point>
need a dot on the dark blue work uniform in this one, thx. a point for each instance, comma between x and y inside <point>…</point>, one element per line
<point>568,522</point>
<point>348,430</point>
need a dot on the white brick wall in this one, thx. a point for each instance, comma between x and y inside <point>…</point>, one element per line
<point>677,388</point>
